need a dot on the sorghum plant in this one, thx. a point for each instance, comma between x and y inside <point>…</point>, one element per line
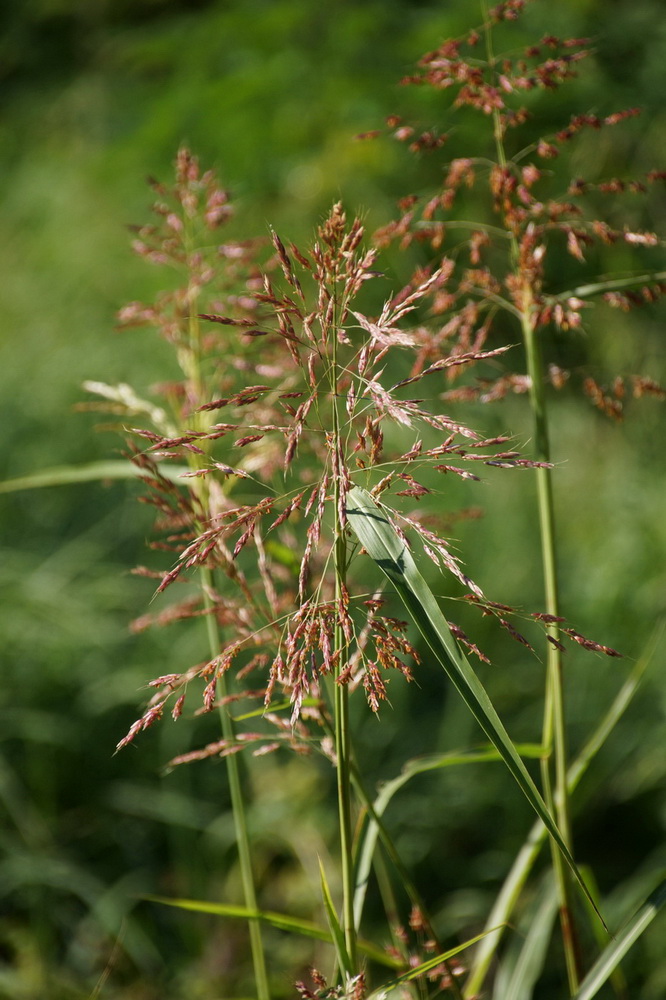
<point>287,465</point>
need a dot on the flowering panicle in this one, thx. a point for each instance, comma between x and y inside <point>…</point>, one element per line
<point>509,267</point>
<point>259,498</point>
<point>355,988</point>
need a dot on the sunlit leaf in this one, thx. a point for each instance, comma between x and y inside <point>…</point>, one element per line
<point>390,553</point>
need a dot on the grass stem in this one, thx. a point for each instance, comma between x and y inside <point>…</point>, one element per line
<point>237,805</point>
<point>190,361</point>
<point>554,724</point>
<point>554,727</point>
<point>341,702</point>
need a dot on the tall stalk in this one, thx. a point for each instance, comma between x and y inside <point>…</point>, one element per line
<point>343,751</point>
<point>192,366</point>
<point>341,701</point>
<point>554,725</point>
<point>554,728</point>
<point>237,804</point>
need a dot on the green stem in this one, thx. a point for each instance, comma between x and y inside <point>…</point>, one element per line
<point>237,803</point>
<point>342,746</point>
<point>190,361</point>
<point>554,726</point>
<point>554,729</point>
<point>342,724</point>
<point>612,284</point>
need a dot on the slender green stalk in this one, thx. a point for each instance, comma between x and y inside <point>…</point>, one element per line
<point>189,360</point>
<point>611,284</point>
<point>554,729</point>
<point>341,703</point>
<point>408,884</point>
<point>237,806</point>
<point>344,807</point>
<point>237,797</point>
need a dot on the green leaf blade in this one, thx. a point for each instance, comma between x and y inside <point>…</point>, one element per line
<point>615,951</point>
<point>281,921</point>
<point>66,475</point>
<point>385,547</point>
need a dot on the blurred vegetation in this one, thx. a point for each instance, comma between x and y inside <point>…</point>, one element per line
<point>272,92</point>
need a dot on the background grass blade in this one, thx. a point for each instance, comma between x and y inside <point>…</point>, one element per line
<point>523,962</point>
<point>419,765</point>
<point>621,943</point>
<point>424,967</point>
<point>389,551</point>
<point>65,475</point>
<point>524,862</point>
<point>281,921</point>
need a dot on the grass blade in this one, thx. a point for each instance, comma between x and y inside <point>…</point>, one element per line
<point>64,475</point>
<point>521,968</point>
<point>390,553</point>
<point>614,952</point>
<point>281,921</point>
<point>424,967</point>
<point>524,862</point>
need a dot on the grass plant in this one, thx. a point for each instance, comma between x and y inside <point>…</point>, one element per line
<point>301,498</point>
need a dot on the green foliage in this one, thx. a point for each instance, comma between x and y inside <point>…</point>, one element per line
<point>96,96</point>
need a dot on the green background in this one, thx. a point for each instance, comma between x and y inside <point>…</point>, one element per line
<point>95,97</point>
